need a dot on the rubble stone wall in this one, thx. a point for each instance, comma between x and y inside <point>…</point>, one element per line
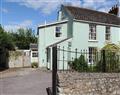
<point>74,83</point>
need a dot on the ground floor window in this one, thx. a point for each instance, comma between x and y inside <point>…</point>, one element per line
<point>92,54</point>
<point>35,54</point>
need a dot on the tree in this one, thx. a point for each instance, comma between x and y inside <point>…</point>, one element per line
<point>23,38</point>
<point>1,29</point>
<point>6,44</point>
<point>5,40</point>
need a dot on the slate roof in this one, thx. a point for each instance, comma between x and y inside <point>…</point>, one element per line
<point>92,15</point>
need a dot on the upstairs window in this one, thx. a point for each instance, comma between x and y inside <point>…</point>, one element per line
<point>107,33</point>
<point>69,44</point>
<point>92,32</point>
<point>58,31</point>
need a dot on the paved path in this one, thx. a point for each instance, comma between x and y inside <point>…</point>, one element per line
<point>34,83</point>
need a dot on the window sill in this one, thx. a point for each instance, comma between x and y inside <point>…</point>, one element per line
<point>108,41</point>
<point>92,40</point>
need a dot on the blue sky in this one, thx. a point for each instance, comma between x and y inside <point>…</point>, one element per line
<point>31,13</point>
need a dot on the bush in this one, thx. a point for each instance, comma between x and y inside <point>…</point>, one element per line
<point>34,65</point>
<point>112,62</point>
<point>79,64</point>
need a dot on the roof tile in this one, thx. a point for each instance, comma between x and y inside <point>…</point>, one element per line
<point>92,15</point>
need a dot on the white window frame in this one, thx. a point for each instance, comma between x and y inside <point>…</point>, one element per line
<point>92,51</point>
<point>92,32</point>
<point>58,32</point>
<point>108,33</point>
<point>34,54</point>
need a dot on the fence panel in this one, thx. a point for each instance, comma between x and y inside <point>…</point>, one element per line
<point>86,61</point>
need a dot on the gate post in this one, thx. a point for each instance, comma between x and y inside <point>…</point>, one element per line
<point>104,62</point>
<point>54,70</point>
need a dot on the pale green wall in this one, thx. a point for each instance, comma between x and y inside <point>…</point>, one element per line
<point>46,38</point>
<point>70,28</point>
<point>81,36</point>
<point>119,34</point>
<point>100,36</point>
<point>115,35</point>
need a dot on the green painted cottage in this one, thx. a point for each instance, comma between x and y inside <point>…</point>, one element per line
<point>79,28</point>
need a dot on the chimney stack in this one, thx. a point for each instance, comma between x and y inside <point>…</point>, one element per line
<point>115,9</point>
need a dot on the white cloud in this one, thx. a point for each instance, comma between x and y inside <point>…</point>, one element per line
<point>93,3</point>
<point>14,26</point>
<point>4,10</point>
<point>102,10</point>
<point>26,23</point>
<point>48,6</point>
<point>100,5</point>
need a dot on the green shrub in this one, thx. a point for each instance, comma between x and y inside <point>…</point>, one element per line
<point>111,60</point>
<point>79,64</point>
<point>34,65</point>
<point>112,64</point>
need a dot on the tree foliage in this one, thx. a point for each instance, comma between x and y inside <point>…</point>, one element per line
<point>20,39</point>
<point>23,37</point>
<point>5,40</point>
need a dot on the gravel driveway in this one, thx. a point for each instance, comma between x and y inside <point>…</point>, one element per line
<point>33,83</point>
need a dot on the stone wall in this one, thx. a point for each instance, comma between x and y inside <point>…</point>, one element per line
<point>74,83</point>
<point>19,58</point>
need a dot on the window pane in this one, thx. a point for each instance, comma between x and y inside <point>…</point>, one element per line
<point>107,35</point>
<point>58,31</point>
<point>34,54</point>
<point>92,54</point>
<point>92,32</point>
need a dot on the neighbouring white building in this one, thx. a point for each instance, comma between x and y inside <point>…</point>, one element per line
<point>79,28</point>
<point>33,53</point>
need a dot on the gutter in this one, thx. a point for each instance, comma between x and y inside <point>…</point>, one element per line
<point>96,23</point>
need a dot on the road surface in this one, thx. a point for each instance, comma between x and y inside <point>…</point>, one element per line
<point>33,83</point>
